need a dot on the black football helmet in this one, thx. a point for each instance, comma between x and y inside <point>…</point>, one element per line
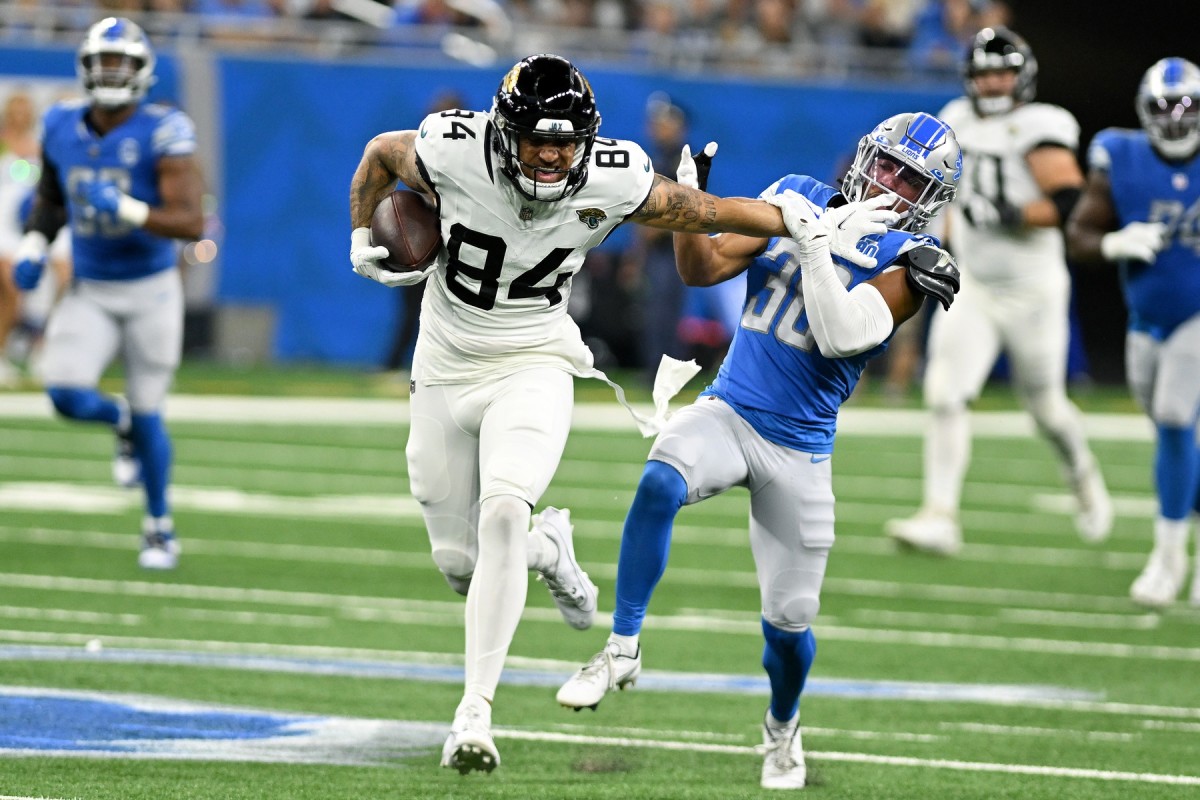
<point>544,96</point>
<point>995,49</point>
<point>1168,106</point>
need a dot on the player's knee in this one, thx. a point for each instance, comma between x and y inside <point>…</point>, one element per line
<point>72,403</point>
<point>504,515</point>
<point>1050,409</point>
<point>662,487</point>
<point>792,601</point>
<point>1173,412</point>
<point>457,567</point>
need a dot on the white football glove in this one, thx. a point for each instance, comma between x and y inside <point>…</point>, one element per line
<point>687,174</point>
<point>844,225</point>
<point>366,257</point>
<point>1140,241</point>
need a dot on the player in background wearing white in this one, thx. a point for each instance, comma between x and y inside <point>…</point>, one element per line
<point>1139,209</point>
<point>122,172</point>
<point>812,320</point>
<point>1020,180</point>
<point>523,192</point>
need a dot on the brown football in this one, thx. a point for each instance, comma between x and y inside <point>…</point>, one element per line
<point>408,227</point>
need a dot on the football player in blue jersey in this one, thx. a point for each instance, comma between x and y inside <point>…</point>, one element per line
<point>1140,209</point>
<point>812,320</point>
<point>123,174</point>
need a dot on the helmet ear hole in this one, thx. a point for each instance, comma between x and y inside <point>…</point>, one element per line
<point>544,96</point>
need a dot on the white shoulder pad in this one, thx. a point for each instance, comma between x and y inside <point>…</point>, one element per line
<point>619,176</point>
<point>449,139</point>
<point>956,111</point>
<point>1042,123</point>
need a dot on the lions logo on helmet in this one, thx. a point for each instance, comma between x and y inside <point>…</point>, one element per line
<point>996,49</point>
<point>115,63</point>
<point>923,152</point>
<point>1168,107</point>
<point>546,97</point>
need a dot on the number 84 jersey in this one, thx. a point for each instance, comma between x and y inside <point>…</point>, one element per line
<point>497,302</point>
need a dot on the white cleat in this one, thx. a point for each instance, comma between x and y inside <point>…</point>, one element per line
<point>160,548</point>
<point>572,589</point>
<point>608,669</point>
<point>783,762</point>
<point>928,531</point>
<point>1094,519</point>
<point>470,747</point>
<point>1161,580</point>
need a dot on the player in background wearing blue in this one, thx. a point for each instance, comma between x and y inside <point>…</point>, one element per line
<point>1139,209</point>
<point>123,174</point>
<point>811,323</point>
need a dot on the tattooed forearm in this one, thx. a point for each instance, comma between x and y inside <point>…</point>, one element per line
<point>678,208</point>
<point>388,157</point>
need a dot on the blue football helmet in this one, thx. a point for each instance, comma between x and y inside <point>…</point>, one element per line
<point>123,80</point>
<point>916,148</point>
<point>1168,106</point>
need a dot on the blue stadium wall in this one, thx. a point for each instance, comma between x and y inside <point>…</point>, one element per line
<point>294,131</point>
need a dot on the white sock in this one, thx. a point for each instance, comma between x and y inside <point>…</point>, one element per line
<point>497,594</point>
<point>775,726</point>
<point>626,645</point>
<point>947,452</point>
<point>1171,536</point>
<point>541,553</point>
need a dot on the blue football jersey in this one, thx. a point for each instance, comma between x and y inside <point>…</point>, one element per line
<point>774,375</point>
<point>103,247</point>
<point>1145,188</point>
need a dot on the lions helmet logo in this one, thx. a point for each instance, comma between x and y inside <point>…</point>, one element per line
<point>592,217</point>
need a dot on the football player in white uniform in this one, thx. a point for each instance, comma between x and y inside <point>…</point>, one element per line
<point>523,191</point>
<point>1021,180</point>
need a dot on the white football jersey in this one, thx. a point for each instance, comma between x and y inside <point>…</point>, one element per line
<point>994,150</point>
<point>497,302</point>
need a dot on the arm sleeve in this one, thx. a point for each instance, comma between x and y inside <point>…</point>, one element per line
<point>49,212</point>
<point>844,323</point>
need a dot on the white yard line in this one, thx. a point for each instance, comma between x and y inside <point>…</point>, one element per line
<point>588,416</point>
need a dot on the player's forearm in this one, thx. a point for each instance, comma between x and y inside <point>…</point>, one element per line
<point>686,210</point>
<point>693,258</point>
<point>389,157</point>
<point>175,222</point>
<point>1083,242</point>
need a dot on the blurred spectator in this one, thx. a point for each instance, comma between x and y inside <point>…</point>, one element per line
<point>887,23</point>
<point>651,261</point>
<point>19,172</point>
<point>944,29</point>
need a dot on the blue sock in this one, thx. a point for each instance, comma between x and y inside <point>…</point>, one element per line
<point>1176,471</point>
<point>645,543</point>
<point>787,657</point>
<point>153,449</point>
<point>86,405</point>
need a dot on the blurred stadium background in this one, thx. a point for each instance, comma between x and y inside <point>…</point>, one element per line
<point>306,608</point>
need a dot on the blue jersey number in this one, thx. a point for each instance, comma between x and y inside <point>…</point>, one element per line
<point>86,221</point>
<point>763,309</point>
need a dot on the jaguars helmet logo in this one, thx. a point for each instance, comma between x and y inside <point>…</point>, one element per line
<point>592,217</point>
<point>509,84</point>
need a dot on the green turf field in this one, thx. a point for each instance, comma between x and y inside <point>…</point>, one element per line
<point>306,594</point>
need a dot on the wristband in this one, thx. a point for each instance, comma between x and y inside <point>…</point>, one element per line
<point>133,211</point>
